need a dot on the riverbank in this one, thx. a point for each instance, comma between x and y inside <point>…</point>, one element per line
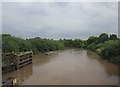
<point>107,46</point>
<point>109,50</point>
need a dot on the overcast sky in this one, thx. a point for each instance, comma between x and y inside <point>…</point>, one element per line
<point>59,19</point>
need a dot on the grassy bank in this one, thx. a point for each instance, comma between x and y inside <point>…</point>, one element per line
<point>108,47</point>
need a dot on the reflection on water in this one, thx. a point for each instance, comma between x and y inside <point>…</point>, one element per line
<point>69,67</point>
<point>20,74</point>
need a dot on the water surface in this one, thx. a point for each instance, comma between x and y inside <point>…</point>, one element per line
<point>70,67</point>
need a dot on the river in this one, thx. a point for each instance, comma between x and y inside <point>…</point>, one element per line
<point>67,67</point>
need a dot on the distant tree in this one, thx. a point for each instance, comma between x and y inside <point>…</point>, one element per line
<point>78,43</point>
<point>92,39</point>
<point>113,37</point>
<point>103,37</point>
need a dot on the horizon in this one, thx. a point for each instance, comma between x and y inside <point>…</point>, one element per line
<point>59,38</point>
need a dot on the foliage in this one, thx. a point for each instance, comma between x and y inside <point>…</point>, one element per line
<point>107,47</point>
<point>11,43</point>
<point>73,43</point>
<point>113,37</point>
<point>92,39</point>
<point>103,37</point>
<point>111,49</point>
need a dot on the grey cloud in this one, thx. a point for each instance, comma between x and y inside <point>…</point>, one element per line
<point>59,19</point>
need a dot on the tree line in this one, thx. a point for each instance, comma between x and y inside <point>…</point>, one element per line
<point>37,45</point>
<point>107,46</point>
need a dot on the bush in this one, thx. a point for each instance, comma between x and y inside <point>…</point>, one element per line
<point>111,48</point>
<point>92,47</point>
<point>106,47</point>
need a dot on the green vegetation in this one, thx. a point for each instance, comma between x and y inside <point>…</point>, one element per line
<point>37,45</point>
<point>107,46</point>
<point>72,43</point>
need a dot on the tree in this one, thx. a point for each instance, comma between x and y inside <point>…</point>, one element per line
<point>103,37</point>
<point>92,39</point>
<point>78,43</point>
<point>113,37</point>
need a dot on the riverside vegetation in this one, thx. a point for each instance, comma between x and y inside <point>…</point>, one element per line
<point>107,46</point>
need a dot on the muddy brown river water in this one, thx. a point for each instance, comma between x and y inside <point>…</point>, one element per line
<point>67,67</point>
